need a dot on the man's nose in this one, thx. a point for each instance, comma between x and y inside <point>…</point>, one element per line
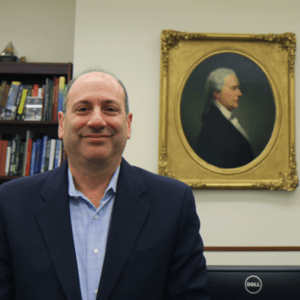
<point>97,119</point>
<point>240,93</point>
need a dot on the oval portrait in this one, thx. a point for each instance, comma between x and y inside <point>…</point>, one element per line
<point>227,110</point>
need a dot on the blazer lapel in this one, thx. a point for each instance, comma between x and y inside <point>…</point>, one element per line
<point>129,215</point>
<point>53,216</point>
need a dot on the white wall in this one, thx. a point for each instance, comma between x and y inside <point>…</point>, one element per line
<point>124,37</point>
<point>41,30</point>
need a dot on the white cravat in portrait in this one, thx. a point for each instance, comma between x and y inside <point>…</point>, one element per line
<point>239,127</point>
<point>228,115</point>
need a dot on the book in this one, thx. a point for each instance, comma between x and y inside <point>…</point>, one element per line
<point>28,158</point>
<point>58,153</point>
<point>21,105</point>
<point>3,156</point>
<point>2,91</point>
<point>8,111</point>
<point>52,154</point>
<point>47,158</point>
<point>35,90</point>
<point>50,104</point>
<point>47,98</point>
<point>20,159</point>
<point>8,155</point>
<point>61,91</point>
<point>5,95</point>
<point>55,99</point>
<point>27,153</point>
<point>33,109</point>
<point>44,160</point>
<point>32,159</point>
<point>14,158</point>
<point>38,156</point>
<point>13,93</point>
<point>4,101</point>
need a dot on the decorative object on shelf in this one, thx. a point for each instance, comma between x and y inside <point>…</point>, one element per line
<point>264,68</point>
<point>9,54</point>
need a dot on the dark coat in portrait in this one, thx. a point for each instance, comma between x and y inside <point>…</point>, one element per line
<point>221,144</point>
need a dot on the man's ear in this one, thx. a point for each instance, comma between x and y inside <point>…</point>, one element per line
<point>61,119</point>
<point>216,95</point>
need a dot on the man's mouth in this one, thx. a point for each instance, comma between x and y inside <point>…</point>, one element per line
<point>96,137</point>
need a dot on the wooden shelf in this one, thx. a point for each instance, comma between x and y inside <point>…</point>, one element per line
<point>41,69</point>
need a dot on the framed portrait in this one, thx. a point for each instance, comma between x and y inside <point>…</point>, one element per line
<point>227,110</point>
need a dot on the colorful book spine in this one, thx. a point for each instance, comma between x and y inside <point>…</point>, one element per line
<point>14,155</point>
<point>44,154</point>
<point>20,159</point>
<point>38,156</point>
<point>51,154</point>
<point>58,153</point>
<point>27,154</point>
<point>4,155</point>
<point>2,91</point>
<point>55,99</point>
<point>47,98</point>
<point>8,156</point>
<point>32,161</point>
<point>61,90</point>
<point>35,90</point>
<point>28,158</point>
<point>1,157</point>
<point>22,104</point>
<point>13,93</point>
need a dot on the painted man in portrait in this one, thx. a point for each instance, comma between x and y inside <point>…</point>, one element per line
<point>222,141</point>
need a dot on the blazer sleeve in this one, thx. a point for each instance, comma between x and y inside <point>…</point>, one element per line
<point>187,278</point>
<point>6,273</point>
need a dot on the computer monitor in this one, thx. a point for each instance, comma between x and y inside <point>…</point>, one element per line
<point>254,282</point>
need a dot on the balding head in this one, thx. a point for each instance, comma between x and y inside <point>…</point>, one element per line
<point>83,75</point>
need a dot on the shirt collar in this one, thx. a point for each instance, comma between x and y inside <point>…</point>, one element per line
<point>73,192</point>
<point>225,112</point>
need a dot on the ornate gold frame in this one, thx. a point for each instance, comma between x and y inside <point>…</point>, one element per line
<point>275,167</point>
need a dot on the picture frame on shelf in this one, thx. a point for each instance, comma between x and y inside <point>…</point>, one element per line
<point>264,68</point>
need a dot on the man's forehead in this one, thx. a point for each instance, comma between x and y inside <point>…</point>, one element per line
<point>231,79</point>
<point>97,76</point>
<point>96,81</point>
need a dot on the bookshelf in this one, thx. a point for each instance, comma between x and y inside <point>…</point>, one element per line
<point>30,74</point>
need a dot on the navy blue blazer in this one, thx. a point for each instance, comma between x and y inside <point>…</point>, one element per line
<point>154,250</point>
<point>221,144</point>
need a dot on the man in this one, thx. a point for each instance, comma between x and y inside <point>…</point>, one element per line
<point>222,141</point>
<point>96,227</point>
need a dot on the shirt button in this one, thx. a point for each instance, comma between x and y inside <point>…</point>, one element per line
<point>96,217</point>
<point>96,292</point>
<point>96,251</point>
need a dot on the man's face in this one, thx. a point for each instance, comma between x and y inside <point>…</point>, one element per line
<point>230,94</point>
<point>95,126</point>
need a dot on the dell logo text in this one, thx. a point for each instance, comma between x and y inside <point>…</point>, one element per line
<point>253,284</point>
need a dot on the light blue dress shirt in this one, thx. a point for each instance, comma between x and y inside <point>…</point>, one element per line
<point>90,228</point>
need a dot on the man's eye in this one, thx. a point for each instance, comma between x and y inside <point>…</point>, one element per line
<point>82,109</point>
<point>111,109</point>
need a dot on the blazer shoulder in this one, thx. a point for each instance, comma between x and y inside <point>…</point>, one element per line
<point>23,183</point>
<point>29,187</point>
<point>159,181</point>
